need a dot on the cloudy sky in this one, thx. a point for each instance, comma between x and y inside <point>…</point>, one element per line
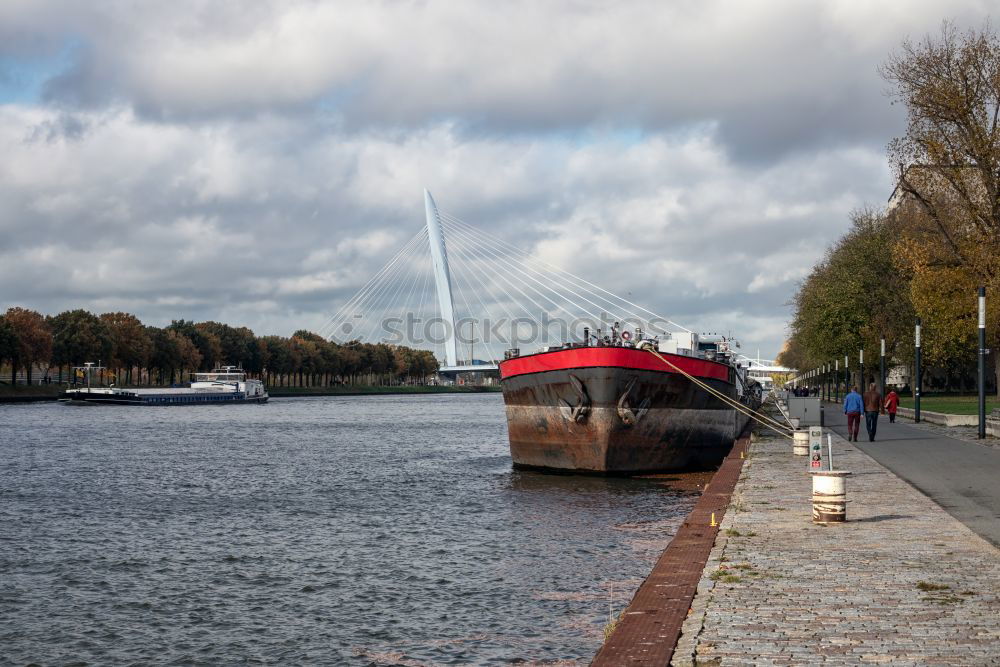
<point>257,162</point>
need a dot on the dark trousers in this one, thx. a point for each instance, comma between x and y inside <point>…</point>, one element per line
<point>853,423</point>
<point>871,423</point>
<point>892,417</point>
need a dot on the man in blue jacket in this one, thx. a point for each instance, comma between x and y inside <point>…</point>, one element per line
<point>854,405</point>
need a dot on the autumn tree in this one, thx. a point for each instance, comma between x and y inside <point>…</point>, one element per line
<point>352,362</point>
<point>793,355</point>
<point>853,298</point>
<point>305,354</point>
<point>237,344</point>
<point>165,356</point>
<point>172,352</point>
<point>131,344</point>
<point>8,341</point>
<point>190,356</point>
<point>279,356</point>
<point>948,172</point>
<point>34,340</point>
<point>332,364</point>
<point>208,345</point>
<point>261,357</point>
<point>79,336</point>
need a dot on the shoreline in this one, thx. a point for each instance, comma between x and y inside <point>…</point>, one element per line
<point>649,628</point>
<point>777,588</point>
<point>290,392</point>
<point>360,390</point>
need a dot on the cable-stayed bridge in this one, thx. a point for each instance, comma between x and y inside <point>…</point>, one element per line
<point>762,370</point>
<point>469,296</point>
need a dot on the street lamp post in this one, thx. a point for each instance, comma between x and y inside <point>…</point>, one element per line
<point>881,369</point>
<point>829,389</point>
<point>861,361</point>
<point>847,377</point>
<point>916,373</point>
<point>982,362</point>
<point>836,380</point>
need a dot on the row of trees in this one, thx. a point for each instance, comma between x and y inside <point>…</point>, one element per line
<point>939,237</point>
<point>146,354</point>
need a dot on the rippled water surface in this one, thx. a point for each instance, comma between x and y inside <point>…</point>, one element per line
<point>347,530</point>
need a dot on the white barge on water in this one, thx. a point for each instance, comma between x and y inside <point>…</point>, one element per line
<point>226,385</point>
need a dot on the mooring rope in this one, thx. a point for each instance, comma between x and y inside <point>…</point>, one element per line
<point>752,414</point>
<point>784,415</point>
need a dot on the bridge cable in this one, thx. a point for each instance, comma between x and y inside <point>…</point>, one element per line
<point>471,313</point>
<point>557,270</point>
<point>513,258</point>
<point>530,262</point>
<point>460,255</point>
<point>369,287</point>
<point>389,297</point>
<point>512,264</point>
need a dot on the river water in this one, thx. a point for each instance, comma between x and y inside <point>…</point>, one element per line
<point>348,530</point>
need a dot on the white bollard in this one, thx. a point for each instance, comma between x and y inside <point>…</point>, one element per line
<point>829,496</point>
<point>800,444</point>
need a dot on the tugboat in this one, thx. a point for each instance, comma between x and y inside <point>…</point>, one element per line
<point>620,404</point>
<point>226,385</point>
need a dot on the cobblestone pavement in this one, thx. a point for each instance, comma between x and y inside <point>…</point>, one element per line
<point>901,582</point>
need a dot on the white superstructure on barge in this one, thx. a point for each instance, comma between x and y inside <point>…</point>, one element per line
<point>223,385</point>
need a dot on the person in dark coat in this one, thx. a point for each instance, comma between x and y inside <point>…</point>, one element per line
<point>873,405</point>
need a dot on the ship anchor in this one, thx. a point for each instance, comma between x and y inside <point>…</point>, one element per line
<point>628,416</point>
<point>579,412</point>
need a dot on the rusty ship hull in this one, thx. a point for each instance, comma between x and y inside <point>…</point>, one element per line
<point>617,410</point>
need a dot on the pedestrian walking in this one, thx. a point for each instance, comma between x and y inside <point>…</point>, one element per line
<point>854,405</point>
<point>873,405</point>
<point>891,404</point>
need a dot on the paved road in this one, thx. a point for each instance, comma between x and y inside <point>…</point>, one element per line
<point>962,477</point>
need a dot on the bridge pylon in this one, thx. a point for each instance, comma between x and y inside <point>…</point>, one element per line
<point>442,277</point>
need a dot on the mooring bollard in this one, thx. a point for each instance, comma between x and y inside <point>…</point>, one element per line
<point>800,444</point>
<point>829,496</point>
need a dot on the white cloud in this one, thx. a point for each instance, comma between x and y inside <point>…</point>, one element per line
<point>259,162</point>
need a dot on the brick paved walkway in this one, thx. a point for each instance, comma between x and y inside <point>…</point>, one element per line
<point>901,582</point>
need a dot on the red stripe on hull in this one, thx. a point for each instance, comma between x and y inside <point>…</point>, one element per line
<point>621,357</point>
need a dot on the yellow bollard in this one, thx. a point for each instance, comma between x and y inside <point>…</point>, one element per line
<point>713,524</point>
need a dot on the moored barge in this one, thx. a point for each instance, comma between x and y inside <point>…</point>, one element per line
<point>612,406</point>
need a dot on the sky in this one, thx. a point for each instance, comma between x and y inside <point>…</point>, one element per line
<point>257,162</point>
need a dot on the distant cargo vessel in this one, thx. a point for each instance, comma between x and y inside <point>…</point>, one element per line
<point>609,405</point>
<point>225,385</point>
